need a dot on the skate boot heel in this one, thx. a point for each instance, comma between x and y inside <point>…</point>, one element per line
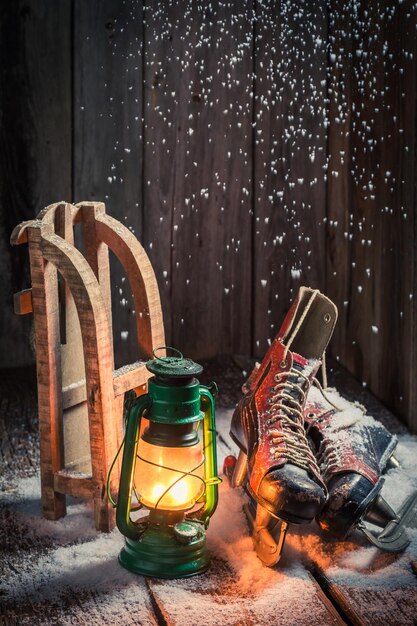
<point>229,465</point>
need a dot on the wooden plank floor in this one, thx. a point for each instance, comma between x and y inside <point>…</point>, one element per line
<point>65,573</point>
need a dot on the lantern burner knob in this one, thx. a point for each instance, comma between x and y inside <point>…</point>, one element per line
<point>186,532</point>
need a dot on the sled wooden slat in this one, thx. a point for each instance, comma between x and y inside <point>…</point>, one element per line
<point>133,378</point>
<point>46,320</point>
<point>124,379</point>
<point>74,394</point>
<point>78,486</point>
<point>22,302</point>
<point>75,424</point>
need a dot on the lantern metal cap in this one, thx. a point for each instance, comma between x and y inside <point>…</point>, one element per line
<point>173,366</point>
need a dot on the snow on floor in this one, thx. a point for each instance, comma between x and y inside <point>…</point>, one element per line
<point>77,558</point>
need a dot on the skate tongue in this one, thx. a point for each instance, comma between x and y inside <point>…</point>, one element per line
<point>308,367</point>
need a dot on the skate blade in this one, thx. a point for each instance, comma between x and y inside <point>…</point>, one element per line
<point>394,537</point>
<point>240,472</point>
<point>268,534</point>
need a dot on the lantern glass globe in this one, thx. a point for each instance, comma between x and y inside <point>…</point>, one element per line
<point>169,478</point>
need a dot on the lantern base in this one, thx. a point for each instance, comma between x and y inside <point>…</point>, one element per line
<point>166,551</point>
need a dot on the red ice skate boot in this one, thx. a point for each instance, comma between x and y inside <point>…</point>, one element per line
<point>275,459</point>
<point>353,450</point>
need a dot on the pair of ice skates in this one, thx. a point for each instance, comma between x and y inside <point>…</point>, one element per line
<point>301,456</point>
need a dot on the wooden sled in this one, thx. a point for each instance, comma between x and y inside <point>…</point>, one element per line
<point>80,394</point>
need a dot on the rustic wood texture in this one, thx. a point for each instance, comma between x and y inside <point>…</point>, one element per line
<point>371,607</point>
<point>142,282</point>
<point>35,140</point>
<point>22,301</point>
<point>81,404</point>
<point>252,147</point>
<point>97,253</point>
<point>128,377</point>
<point>74,416</point>
<point>198,170</point>
<point>76,484</point>
<point>371,200</point>
<point>44,282</point>
<point>98,364</point>
<point>108,145</point>
<point>289,158</point>
<point>217,598</point>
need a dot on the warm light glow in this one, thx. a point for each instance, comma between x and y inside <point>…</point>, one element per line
<point>153,481</point>
<point>179,492</point>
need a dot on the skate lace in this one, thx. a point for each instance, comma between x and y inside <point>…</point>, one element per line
<point>291,441</point>
<point>329,454</point>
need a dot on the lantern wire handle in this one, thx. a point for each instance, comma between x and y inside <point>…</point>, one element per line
<point>189,473</point>
<point>110,497</point>
<point>159,358</point>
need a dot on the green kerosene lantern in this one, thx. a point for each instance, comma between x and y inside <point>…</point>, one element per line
<point>169,466</point>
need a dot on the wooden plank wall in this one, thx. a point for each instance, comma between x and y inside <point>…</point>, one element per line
<point>35,142</point>
<point>108,140</point>
<point>288,160</point>
<point>371,196</point>
<point>252,147</point>
<point>198,169</point>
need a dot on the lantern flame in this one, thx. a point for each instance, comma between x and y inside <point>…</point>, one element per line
<point>175,495</point>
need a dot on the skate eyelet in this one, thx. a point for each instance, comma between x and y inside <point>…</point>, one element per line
<point>327,317</point>
<point>283,364</point>
<point>311,415</point>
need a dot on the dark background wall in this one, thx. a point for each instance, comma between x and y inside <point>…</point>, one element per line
<point>252,147</point>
